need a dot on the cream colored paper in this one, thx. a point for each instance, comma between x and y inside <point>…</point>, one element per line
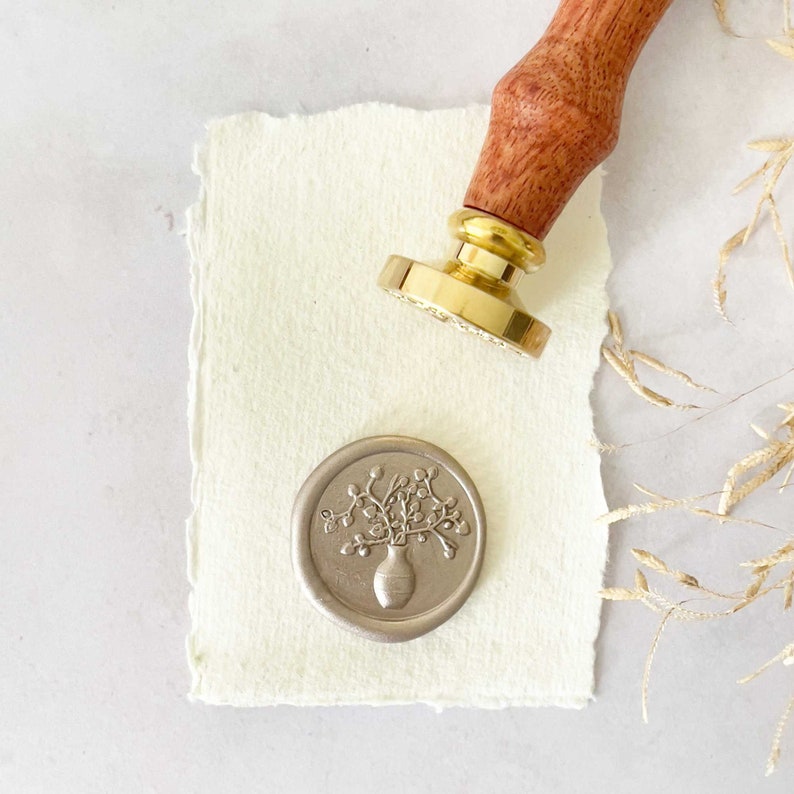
<point>295,352</point>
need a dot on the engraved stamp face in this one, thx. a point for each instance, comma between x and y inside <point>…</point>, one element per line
<point>388,537</point>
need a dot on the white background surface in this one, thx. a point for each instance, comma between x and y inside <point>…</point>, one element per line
<point>100,108</point>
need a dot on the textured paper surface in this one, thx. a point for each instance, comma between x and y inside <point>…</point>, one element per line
<point>295,352</point>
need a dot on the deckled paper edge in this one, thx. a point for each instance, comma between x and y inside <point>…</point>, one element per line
<point>195,221</point>
<point>195,229</point>
<point>438,705</point>
<point>601,170</point>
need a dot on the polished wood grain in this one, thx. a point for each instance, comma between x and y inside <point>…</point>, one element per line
<point>555,115</point>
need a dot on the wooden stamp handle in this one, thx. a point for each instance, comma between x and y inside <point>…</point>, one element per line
<point>555,115</point>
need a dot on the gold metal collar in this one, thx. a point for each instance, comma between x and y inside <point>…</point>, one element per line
<point>473,288</point>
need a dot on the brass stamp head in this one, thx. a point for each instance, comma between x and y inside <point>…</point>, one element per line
<point>473,288</point>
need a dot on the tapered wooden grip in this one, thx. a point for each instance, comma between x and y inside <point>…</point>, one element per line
<point>556,114</point>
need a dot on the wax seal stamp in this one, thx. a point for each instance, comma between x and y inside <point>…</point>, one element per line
<point>554,117</point>
<point>388,535</point>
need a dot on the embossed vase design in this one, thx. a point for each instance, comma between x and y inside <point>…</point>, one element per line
<point>394,579</point>
<point>404,510</point>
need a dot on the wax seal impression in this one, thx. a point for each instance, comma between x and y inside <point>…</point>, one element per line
<point>388,536</point>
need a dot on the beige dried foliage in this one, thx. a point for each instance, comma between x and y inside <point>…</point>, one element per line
<point>783,45</point>
<point>660,603</point>
<point>774,754</point>
<point>751,591</point>
<point>611,448</point>
<point>654,363</point>
<point>768,574</point>
<point>780,151</point>
<point>670,608</point>
<point>620,594</point>
<point>646,673</point>
<point>623,361</point>
<point>721,10</point>
<point>743,478</point>
<point>650,561</point>
<point>760,465</point>
<point>786,656</point>
<point>603,447</point>
<point>719,289</point>
<point>784,48</point>
<point>653,563</point>
<point>784,554</point>
<point>645,508</point>
<point>687,503</point>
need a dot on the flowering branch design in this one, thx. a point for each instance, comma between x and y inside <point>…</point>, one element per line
<point>408,508</point>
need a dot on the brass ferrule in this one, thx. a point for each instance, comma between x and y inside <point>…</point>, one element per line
<point>489,252</point>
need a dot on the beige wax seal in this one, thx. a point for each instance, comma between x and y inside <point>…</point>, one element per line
<point>388,536</point>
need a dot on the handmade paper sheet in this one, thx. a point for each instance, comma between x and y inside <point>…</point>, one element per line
<point>296,352</point>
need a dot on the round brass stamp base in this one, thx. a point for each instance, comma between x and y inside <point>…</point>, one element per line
<point>458,296</point>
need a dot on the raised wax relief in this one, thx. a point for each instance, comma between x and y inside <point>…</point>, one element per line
<point>388,537</point>
<point>405,512</point>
